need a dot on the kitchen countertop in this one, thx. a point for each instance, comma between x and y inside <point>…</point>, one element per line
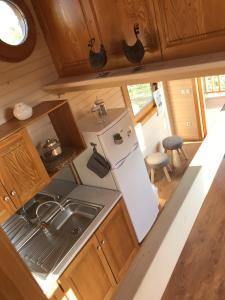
<point>107,198</point>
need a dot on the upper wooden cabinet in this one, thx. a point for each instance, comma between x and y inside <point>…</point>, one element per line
<point>114,21</point>
<point>168,29</point>
<point>190,27</point>
<point>66,32</point>
<point>22,172</point>
<point>69,25</point>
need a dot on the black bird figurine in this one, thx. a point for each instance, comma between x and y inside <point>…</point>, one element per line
<point>134,53</point>
<point>97,60</point>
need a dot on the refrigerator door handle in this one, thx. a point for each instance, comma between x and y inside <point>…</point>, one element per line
<point>135,147</point>
<point>122,161</point>
<point>118,165</point>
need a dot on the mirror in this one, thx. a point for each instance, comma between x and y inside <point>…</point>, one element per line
<point>13,24</point>
<point>17,30</point>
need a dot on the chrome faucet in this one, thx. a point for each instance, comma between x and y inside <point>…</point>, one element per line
<point>44,203</point>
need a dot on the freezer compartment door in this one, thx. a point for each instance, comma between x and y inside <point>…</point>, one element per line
<point>87,176</point>
<point>116,152</point>
<point>134,183</point>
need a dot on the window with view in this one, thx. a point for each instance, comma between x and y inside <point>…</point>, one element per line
<point>140,100</point>
<point>214,84</point>
<point>140,96</point>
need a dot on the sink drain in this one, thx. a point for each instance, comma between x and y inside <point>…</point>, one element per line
<point>77,230</point>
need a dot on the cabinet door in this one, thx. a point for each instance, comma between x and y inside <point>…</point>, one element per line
<point>66,32</point>
<point>115,20</point>
<point>89,276</point>
<point>59,295</point>
<point>22,171</point>
<point>118,240</point>
<point>7,209</point>
<point>190,27</point>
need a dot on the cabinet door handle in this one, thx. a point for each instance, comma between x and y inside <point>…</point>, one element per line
<point>98,247</point>
<point>102,242</point>
<point>6,198</point>
<point>13,193</point>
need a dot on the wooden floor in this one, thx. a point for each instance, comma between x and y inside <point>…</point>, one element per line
<point>165,188</point>
<point>200,270</point>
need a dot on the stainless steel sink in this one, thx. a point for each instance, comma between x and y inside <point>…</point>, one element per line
<point>47,247</point>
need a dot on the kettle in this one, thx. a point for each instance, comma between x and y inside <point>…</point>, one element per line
<point>51,149</point>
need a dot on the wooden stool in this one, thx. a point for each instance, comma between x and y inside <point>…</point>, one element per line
<point>156,161</point>
<point>172,143</point>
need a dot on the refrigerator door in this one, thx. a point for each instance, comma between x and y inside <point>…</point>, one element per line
<point>116,152</point>
<point>141,201</point>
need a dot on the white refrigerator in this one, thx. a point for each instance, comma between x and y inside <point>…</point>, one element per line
<point>128,171</point>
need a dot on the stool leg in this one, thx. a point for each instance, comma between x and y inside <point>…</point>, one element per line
<point>170,168</point>
<point>167,174</point>
<point>183,153</point>
<point>152,175</point>
<point>172,165</point>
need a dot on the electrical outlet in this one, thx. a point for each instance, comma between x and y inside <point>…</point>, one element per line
<point>188,124</point>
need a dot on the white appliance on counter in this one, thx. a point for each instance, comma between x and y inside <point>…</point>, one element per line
<point>128,171</point>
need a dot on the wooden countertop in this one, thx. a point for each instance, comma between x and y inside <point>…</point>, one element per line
<point>200,271</point>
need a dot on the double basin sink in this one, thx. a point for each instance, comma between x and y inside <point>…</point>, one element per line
<point>50,243</point>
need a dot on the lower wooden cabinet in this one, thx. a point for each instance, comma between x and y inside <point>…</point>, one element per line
<point>59,295</point>
<point>118,241</point>
<point>103,261</point>
<point>89,276</point>
<point>22,171</point>
<point>7,207</point>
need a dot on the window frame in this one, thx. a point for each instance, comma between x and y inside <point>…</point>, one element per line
<point>15,53</point>
<point>213,91</point>
<point>146,113</point>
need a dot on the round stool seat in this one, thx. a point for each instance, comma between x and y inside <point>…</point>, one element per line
<point>157,160</point>
<point>173,142</point>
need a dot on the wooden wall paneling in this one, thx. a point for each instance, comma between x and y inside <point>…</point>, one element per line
<point>81,102</point>
<point>190,27</point>
<point>16,281</point>
<point>23,81</point>
<point>182,106</point>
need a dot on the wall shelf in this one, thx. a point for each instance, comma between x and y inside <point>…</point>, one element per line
<point>39,111</point>
<point>190,67</point>
<point>63,122</point>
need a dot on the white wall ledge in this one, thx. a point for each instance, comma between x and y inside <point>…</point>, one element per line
<point>151,270</point>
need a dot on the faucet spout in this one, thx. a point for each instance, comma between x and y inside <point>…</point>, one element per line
<point>46,203</point>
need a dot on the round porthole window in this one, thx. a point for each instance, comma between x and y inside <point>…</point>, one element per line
<point>13,25</point>
<point>17,30</point>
